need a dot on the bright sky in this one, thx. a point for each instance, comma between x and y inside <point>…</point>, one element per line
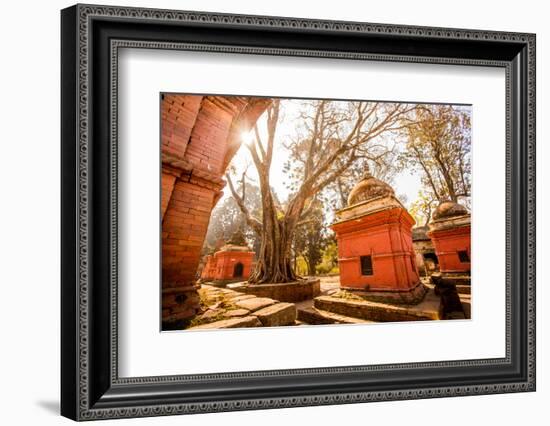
<point>406,183</point>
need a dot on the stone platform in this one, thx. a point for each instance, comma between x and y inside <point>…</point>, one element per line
<point>313,316</point>
<point>366,310</point>
<point>224,308</point>
<point>410,297</point>
<point>296,291</point>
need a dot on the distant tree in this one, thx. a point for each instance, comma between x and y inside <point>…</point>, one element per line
<point>438,143</point>
<point>379,157</point>
<point>329,259</point>
<point>421,209</point>
<point>227,218</point>
<point>309,238</point>
<point>333,136</point>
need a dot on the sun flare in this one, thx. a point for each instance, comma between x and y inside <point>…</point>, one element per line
<point>248,137</point>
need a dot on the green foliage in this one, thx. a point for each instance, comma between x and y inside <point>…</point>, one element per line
<point>301,266</point>
<point>329,261</point>
<point>310,237</point>
<point>327,269</point>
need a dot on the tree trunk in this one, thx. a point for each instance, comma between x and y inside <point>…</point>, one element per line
<point>311,267</point>
<point>274,264</point>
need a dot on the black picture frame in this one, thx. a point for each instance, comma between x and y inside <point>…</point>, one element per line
<point>90,386</point>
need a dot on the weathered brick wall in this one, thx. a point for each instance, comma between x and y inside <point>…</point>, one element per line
<point>178,115</point>
<point>212,125</point>
<point>199,137</point>
<point>168,180</point>
<point>184,229</point>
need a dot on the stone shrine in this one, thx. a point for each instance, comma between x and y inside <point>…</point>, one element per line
<point>426,259</point>
<point>375,248</point>
<point>450,232</point>
<point>233,262</point>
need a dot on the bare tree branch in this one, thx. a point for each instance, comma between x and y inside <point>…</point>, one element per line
<point>254,223</point>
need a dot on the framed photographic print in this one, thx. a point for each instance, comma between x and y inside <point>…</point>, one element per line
<point>263,212</point>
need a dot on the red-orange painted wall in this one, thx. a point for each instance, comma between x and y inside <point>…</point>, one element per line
<point>209,268</point>
<point>447,244</point>
<point>221,265</point>
<point>386,237</point>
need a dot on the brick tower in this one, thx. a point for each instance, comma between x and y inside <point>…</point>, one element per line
<point>199,135</point>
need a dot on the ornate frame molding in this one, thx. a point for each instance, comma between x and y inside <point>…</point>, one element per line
<point>90,400</point>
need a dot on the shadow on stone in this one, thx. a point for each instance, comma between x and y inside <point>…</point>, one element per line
<point>451,306</point>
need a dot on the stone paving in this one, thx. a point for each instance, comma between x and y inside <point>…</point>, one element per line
<point>225,308</point>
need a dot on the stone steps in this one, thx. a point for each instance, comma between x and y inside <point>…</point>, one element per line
<point>314,316</point>
<point>379,312</point>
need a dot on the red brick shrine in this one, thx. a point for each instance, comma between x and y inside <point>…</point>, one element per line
<point>231,263</point>
<point>450,230</point>
<point>375,248</point>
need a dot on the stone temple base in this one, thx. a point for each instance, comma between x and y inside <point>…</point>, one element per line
<point>296,291</point>
<point>410,297</point>
<point>178,305</point>
<point>428,309</point>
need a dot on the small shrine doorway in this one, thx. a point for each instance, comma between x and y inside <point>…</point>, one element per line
<point>238,270</point>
